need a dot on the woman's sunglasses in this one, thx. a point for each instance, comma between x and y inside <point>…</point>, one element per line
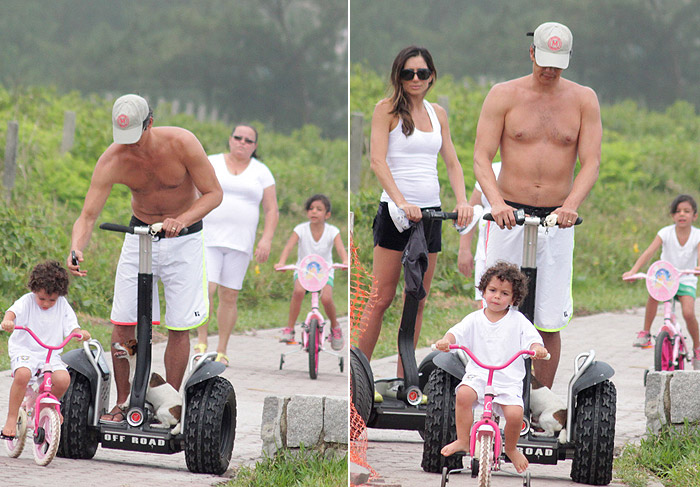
<point>243,139</point>
<point>408,74</point>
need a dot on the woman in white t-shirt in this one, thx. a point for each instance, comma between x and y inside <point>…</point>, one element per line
<point>315,237</point>
<point>407,134</point>
<point>229,230</point>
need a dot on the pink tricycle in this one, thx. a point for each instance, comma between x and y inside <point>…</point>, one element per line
<point>43,407</point>
<point>485,443</point>
<point>313,273</point>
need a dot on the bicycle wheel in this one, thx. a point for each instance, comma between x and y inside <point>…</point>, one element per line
<point>314,344</point>
<point>47,437</point>
<point>663,352</point>
<point>15,447</point>
<point>485,439</point>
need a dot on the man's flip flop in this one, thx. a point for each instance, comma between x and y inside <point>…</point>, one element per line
<point>200,348</point>
<point>116,412</point>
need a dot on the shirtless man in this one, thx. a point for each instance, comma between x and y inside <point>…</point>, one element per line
<point>541,123</point>
<point>165,168</point>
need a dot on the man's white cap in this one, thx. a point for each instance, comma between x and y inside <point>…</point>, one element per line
<point>128,115</point>
<point>553,44</point>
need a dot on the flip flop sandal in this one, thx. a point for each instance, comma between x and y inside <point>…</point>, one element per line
<point>3,436</point>
<point>117,411</point>
<point>200,348</point>
<point>220,357</point>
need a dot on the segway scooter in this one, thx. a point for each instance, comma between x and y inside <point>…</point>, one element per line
<point>208,419</point>
<point>402,400</point>
<point>591,400</point>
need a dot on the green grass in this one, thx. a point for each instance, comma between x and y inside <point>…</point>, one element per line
<point>671,457</point>
<point>303,469</point>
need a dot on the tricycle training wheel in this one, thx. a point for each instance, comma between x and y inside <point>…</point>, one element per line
<point>14,447</point>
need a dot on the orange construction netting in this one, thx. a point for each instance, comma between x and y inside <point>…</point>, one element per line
<point>360,288</point>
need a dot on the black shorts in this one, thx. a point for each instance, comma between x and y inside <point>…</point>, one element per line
<point>387,236</point>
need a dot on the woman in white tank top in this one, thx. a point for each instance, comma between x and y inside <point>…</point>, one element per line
<point>407,134</point>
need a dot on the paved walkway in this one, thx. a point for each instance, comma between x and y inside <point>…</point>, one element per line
<point>254,373</point>
<point>396,455</point>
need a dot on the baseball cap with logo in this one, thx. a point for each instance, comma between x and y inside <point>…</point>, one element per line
<point>553,45</point>
<point>128,114</point>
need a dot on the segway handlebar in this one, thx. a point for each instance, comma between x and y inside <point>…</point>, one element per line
<point>155,229</point>
<point>545,221</point>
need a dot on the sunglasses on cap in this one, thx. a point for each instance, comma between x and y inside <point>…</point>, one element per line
<point>408,74</point>
<point>240,138</point>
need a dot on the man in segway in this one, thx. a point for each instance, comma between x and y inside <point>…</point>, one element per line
<point>165,168</point>
<point>551,122</point>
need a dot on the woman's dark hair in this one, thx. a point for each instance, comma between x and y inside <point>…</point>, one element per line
<point>318,197</point>
<point>255,152</point>
<point>399,100</point>
<point>49,276</point>
<point>683,198</point>
<point>506,272</point>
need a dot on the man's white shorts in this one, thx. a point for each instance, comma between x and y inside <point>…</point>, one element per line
<point>179,263</point>
<point>226,267</point>
<point>555,255</point>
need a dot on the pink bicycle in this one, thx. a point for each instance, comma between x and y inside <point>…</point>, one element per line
<point>47,423</point>
<point>485,440</point>
<point>670,349</point>
<point>313,273</point>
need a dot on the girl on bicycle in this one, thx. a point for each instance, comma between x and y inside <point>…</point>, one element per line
<point>46,311</point>
<point>315,237</point>
<point>495,333</point>
<point>679,245</point>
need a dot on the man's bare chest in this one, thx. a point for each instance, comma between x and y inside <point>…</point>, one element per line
<point>530,122</point>
<point>154,177</point>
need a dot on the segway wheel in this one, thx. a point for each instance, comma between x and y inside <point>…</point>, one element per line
<point>314,343</point>
<point>210,421</point>
<point>440,423</point>
<point>47,437</point>
<point>594,434</point>
<point>663,352</point>
<point>78,440</point>
<point>14,447</point>
<point>361,386</point>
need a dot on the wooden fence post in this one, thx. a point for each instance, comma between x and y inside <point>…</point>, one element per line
<point>11,144</point>
<point>356,145</point>
<point>68,131</point>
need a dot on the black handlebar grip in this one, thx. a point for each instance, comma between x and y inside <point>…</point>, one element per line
<point>113,227</point>
<point>439,215</point>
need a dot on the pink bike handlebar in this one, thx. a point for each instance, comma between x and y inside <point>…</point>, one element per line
<point>294,267</point>
<point>49,347</point>
<point>492,367</point>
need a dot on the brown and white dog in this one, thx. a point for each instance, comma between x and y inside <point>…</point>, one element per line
<point>547,411</point>
<point>166,401</point>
